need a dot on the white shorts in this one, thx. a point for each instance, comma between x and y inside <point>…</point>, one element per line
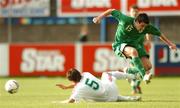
<point>110,86</point>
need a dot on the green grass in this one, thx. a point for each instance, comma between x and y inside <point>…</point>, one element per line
<point>40,92</point>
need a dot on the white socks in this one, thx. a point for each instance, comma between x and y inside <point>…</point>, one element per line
<point>129,98</point>
<point>121,75</point>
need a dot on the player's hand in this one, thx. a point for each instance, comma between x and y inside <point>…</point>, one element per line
<point>96,20</point>
<point>173,47</point>
<point>61,86</point>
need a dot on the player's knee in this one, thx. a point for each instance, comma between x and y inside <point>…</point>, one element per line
<point>148,67</point>
<point>134,52</point>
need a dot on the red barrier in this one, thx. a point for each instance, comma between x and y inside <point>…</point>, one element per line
<point>157,7</point>
<point>85,7</point>
<point>35,60</point>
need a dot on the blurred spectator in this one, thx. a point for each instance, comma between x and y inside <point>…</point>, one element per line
<point>83,36</point>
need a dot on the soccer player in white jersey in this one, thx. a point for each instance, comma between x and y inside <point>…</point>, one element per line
<point>88,87</point>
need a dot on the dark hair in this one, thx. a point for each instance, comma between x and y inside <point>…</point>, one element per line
<point>134,6</point>
<point>73,75</point>
<point>142,17</point>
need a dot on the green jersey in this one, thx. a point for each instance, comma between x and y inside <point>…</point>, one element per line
<point>127,33</point>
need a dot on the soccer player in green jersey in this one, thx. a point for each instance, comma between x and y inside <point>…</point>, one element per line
<point>135,84</point>
<point>127,39</point>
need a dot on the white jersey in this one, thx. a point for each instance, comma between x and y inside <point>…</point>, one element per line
<point>92,88</point>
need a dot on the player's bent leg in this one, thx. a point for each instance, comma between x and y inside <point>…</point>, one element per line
<point>126,51</point>
<point>135,60</point>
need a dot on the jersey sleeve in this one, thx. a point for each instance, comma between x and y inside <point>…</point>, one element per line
<point>153,30</point>
<point>76,95</point>
<point>118,15</point>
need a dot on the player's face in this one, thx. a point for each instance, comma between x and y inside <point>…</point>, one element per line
<point>134,12</point>
<point>140,26</point>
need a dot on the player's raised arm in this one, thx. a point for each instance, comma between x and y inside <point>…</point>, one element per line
<point>98,19</point>
<point>168,42</point>
<point>154,31</point>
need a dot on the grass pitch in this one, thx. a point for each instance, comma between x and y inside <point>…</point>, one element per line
<point>40,92</point>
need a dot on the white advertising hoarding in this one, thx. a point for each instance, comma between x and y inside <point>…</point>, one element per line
<point>24,8</point>
<point>4,60</point>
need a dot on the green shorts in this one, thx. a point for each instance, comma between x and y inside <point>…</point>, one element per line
<point>118,50</point>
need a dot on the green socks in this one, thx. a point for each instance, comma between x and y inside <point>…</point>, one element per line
<point>132,70</point>
<point>138,64</point>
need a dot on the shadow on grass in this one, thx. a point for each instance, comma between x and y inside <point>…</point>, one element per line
<point>160,101</point>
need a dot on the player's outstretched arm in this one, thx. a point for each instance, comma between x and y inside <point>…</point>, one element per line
<point>62,86</point>
<point>98,19</point>
<point>168,42</point>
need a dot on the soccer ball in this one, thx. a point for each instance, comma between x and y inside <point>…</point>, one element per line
<point>11,86</point>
